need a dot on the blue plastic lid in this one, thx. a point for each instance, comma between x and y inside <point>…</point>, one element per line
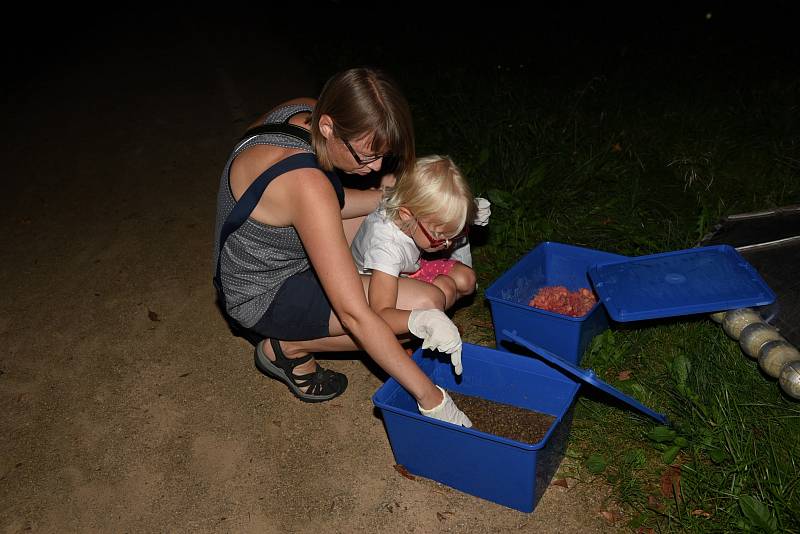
<point>684,282</point>
<point>585,375</point>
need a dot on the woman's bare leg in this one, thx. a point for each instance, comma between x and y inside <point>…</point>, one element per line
<point>411,294</point>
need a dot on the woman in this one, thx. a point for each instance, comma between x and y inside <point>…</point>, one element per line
<point>285,275</point>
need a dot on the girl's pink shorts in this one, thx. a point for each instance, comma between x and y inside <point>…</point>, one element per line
<point>430,269</point>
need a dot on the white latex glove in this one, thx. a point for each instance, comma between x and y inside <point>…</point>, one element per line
<point>438,332</point>
<point>447,411</point>
<point>482,212</point>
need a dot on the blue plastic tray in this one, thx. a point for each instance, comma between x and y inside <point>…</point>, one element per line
<point>683,282</point>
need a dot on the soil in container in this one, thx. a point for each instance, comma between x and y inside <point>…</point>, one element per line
<point>504,420</point>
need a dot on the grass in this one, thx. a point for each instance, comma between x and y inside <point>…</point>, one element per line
<point>638,182</point>
<point>634,167</point>
<point>732,434</point>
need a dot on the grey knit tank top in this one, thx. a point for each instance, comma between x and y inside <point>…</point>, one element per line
<point>257,258</point>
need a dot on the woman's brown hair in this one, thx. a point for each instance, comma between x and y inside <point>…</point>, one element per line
<point>365,101</point>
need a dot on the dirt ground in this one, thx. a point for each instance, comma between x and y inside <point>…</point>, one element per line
<point>126,404</point>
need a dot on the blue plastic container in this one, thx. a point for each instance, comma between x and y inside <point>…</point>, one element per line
<point>508,472</point>
<point>500,470</point>
<point>548,264</point>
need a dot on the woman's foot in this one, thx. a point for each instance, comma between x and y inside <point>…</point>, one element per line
<point>308,366</point>
<point>303,375</point>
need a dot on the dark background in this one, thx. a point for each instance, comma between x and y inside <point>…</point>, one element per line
<point>128,406</point>
<point>650,41</point>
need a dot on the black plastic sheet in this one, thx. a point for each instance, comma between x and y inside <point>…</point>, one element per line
<point>770,242</point>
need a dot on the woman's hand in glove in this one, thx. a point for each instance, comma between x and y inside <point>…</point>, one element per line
<point>438,332</point>
<point>447,411</point>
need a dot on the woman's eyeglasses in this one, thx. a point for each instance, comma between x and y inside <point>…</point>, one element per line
<point>365,161</point>
<point>438,241</point>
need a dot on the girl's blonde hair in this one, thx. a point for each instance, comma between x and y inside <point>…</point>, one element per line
<point>434,189</point>
<point>365,101</point>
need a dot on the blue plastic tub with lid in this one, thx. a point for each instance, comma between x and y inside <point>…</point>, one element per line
<point>668,284</point>
<point>505,471</point>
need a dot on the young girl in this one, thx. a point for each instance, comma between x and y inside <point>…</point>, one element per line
<point>428,210</point>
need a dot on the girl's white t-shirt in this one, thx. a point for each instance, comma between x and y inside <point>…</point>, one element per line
<point>379,245</point>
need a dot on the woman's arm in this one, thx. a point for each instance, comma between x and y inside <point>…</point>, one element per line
<point>314,212</point>
<point>358,202</point>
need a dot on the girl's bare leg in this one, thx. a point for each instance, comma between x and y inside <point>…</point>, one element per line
<point>464,278</point>
<point>448,287</point>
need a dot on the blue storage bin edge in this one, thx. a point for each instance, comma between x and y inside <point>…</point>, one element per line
<point>391,387</point>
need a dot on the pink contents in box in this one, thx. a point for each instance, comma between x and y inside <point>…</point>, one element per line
<point>559,299</point>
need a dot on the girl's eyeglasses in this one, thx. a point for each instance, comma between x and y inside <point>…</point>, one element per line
<point>437,241</point>
<point>365,161</point>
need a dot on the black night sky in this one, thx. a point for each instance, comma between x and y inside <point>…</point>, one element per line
<point>654,41</point>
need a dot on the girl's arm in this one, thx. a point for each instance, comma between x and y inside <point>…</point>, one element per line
<point>314,212</point>
<point>383,298</point>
